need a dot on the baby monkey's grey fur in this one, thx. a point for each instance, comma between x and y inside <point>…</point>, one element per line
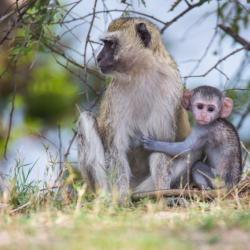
<point>212,134</point>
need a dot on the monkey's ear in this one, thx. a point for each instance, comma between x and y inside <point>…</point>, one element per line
<point>143,33</point>
<point>186,99</point>
<point>227,107</point>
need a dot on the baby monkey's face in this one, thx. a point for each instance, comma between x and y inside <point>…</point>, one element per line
<point>205,110</point>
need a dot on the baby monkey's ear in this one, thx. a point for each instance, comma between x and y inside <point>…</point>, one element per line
<point>186,99</point>
<point>226,107</point>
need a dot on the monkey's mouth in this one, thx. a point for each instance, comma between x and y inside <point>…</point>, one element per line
<point>105,69</point>
<point>202,122</point>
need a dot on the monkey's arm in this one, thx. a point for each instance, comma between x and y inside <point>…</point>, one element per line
<point>194,141</point>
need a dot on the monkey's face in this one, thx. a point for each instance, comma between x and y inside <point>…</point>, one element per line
<point>106,58</point>
<point>119,53</point>
<point>205,110</point>
<point>126,46</point>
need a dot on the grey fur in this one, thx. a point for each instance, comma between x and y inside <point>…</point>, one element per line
<point>144,96</point>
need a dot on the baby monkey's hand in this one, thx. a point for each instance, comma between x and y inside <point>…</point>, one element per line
<point>148,143</point>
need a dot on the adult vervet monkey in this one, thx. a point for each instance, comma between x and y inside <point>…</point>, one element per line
<point>143,97</point>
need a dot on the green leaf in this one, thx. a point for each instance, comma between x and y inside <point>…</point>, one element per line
<point>51,94</point>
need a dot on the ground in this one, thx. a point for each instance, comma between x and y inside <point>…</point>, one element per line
<point>220,224</point>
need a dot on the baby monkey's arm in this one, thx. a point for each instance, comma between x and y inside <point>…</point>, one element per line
<point>194,141</point>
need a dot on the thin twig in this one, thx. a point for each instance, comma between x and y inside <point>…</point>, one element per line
<point>215,65</point>
<point>49,188</point>
<point>19,18</point>
<point>20,208</point>
<point>45,138</point>
<point>70,9</point>
<point>110,11</point>
<point>11,113</point>
<point>70,145</point>
<point>60,148</point>
<point>12,10</point>
<point>243,116</point>
<point>65,156</point>
<point>189,8</point>
<point>235,36</point>
<point>62,54</point>
<point>206,49</point>
<point>86,44</point>
<point>223,73</point>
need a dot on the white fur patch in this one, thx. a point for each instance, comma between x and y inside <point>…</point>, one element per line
<point>110,35</point>
<point>90,150</point>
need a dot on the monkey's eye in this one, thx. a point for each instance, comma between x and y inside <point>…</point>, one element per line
<point>210,109</point>
<point>200,106</point>
<point>110,44</point>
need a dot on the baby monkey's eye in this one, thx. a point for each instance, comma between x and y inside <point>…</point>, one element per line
<point>200,106</point>
<point>210,109</point>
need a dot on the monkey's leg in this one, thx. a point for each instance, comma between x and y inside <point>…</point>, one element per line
<point>91,153</point>
<point>168,172</point>
<point>145,186</point>
<point>202,175</point>
<point>181,169</point>
<point>165,172</point>
<point>160,168</point>
<point>120,174</point>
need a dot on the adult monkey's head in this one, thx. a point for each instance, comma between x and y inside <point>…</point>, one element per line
<point>128,45</point>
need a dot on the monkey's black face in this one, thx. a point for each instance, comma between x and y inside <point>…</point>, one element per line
<point>111,59</point>
<point>105,58</point>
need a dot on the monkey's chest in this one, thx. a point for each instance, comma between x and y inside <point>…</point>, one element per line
<point>214,143</point>
<point>215,149</point>
<point>144,114</point>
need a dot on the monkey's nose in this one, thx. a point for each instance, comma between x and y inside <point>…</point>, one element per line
<point>99,58</point>
<point>203,115</point>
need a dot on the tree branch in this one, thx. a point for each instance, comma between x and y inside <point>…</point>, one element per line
<point>243,117</point>
<point>11,114</point>
<point>189,8</point>
<point>218,62</point>
<point>235,36</point>
<point>111,11</point>
<point>66,154</point>
<point>86,43</point>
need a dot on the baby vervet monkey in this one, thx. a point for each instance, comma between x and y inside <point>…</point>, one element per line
<point>212,134</point>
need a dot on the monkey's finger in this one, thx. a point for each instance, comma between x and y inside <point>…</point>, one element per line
<point>147,148</point>
<point>144,137</point>
<point>138,134</point>
<point>144,140</point>
<point>146,144</point>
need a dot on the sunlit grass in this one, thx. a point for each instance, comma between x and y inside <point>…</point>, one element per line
<point>144,225</point>
<point>66,217</point>
<point>148,226</point>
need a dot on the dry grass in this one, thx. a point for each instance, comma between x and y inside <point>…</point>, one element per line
<point>83,223</point>
<point>57,219</point>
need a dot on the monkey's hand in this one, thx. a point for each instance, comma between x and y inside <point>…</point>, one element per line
<point>135,141</point>
<point>149,144</point>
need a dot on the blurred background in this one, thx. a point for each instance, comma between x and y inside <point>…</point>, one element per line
<point>48,72</point>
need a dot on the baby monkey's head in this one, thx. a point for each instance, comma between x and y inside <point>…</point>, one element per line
<point>207,104</point>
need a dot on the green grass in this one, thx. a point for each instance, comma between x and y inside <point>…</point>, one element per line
<point>56,219</point>
<point>147,225</point>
